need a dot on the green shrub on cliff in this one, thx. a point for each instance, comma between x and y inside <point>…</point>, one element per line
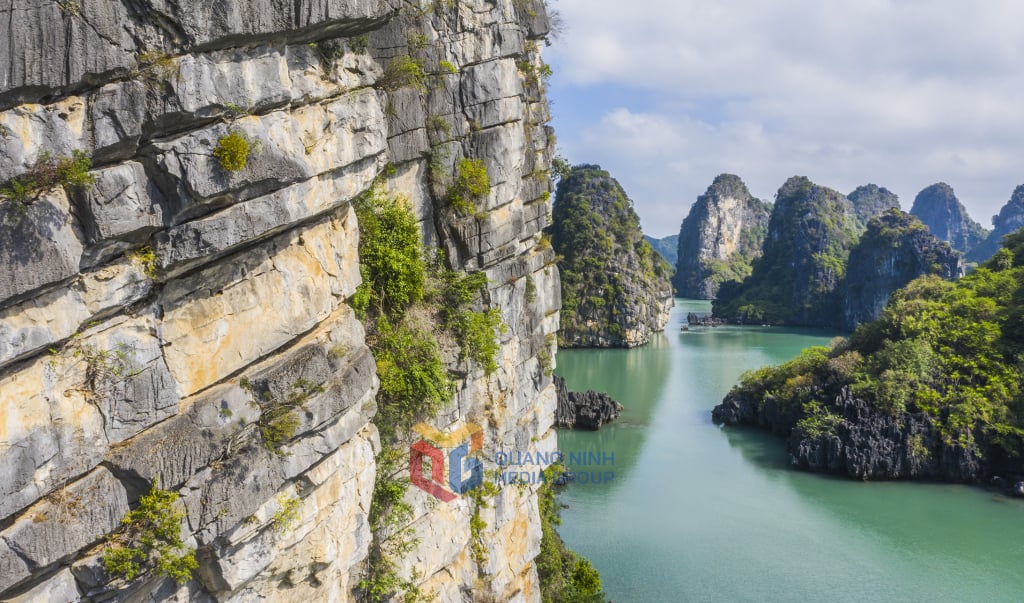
<point>50,171</point>
<point>471,185</point>
<point>408,302</point>
<point>391,260</point>
<point>232,151</point>
<point>954,351</point>
<point>150,538</point>
<point>565,577</point>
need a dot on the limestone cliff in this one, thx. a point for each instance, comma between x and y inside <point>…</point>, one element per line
<point>939,209</point>
<point>615,288</point>
<point>1009,219</point>
<point>212,245</point>
<point>719,238</point>
<point>895,249</point>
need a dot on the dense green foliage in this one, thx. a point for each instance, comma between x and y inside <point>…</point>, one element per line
<point>810,234</point>
<point>596,231</point>
<point>407,300</point>
<point>151,538</point>
<point>565,577</point>
<point>954,351</point>
<point>391,260</point>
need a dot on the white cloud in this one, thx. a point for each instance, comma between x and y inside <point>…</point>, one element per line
<point>902,93</point>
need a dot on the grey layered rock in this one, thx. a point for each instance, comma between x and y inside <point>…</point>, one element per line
<point>720,238</point>
<point>124,207</point>
<point>284,148</point>
<point>61,587</point>
<point>254,270</point>
<point>39,322</point>
<point>54,46</point>
<point>210,237</point>
<point>117,113</point>
<point>223,24</point>
<point>13,568</point>
<point>72,517</point>
<point>40,244</point>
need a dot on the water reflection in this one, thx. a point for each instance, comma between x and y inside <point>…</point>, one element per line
<point>637,379</point>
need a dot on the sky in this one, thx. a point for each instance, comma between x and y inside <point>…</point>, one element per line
<point>667,94</point>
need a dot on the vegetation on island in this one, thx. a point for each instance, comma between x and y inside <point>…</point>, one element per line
<point>597,234</point>
<point>952,351</point>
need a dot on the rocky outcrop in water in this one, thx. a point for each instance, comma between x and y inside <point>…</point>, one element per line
<point>939,209</point>
<point>137,311</point>
<point>796,281</point>
<point>895,249</point>
<point>615,288</point>
<point>1010,219</point>
<point>720,238</point>
<point>863,444</point>
<point>583,410</point>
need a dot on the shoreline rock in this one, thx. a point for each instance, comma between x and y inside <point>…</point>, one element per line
<point>870,445</point>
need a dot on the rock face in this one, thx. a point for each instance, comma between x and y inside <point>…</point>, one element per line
<point>615,289</point>
<point>865,444</point>
<point>939,209</point>
<point>720,238</point>
<point>895,249</point>
<point>131,309</point>
<point>871,200</point>
<point>796,281</point>
<point>1010,219</point>
<point>667,247</point>
<point>583,410</point>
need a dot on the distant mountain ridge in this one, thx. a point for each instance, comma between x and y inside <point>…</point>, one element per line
<point>833,261</point>
<point>667,247</point>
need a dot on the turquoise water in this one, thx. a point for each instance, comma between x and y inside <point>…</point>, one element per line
<point>700,513</point>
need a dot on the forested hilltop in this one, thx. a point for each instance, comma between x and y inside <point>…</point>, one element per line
<point>615,288</point>
<point>930,390</point>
